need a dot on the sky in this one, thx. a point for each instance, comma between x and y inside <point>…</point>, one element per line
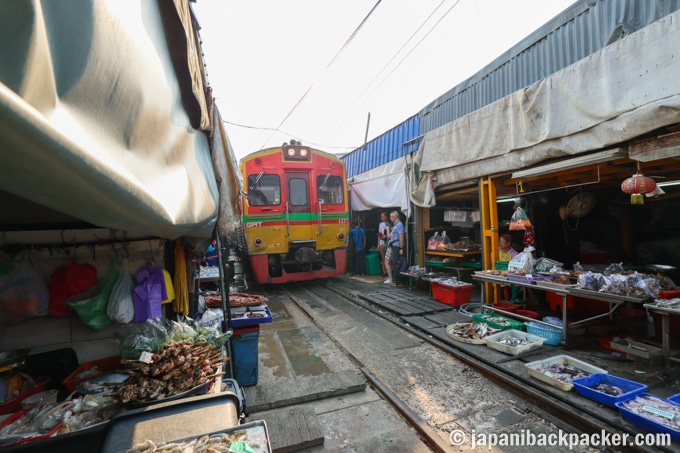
<point>334,73</point>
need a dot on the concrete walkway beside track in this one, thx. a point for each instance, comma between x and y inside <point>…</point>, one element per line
<point>312,355</point>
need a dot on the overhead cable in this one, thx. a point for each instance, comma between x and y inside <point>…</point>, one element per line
<point>330,63</point>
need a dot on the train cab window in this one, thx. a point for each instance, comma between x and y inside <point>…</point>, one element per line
<point>264,190</point>
<point>330,189</point>
<point>298,194</point>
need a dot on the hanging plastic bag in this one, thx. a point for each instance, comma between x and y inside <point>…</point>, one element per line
<point>121,305</point>
<point>23,291</point>
<point>148,293</point>
<point>69,281</point>
<point>92,310</point>
<point>519,219</point>
<point>434,241</point>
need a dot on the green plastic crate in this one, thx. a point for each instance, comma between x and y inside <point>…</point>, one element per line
<point>497,321</point>
<point>440,264</point>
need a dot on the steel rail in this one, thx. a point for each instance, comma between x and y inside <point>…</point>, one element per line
<point>427,434</point>
<point>560,413</point>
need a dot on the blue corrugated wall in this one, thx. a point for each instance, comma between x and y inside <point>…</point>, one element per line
<point>391,145</point>
<point>582,29</point>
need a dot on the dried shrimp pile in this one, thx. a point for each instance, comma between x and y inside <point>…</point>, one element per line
<point>241,440</point>
<point>176,368</point>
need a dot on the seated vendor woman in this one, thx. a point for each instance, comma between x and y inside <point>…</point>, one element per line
<point>506,254</point>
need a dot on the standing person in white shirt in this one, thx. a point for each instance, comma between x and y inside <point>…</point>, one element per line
<point>383,236</point>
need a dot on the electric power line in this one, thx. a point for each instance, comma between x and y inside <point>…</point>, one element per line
<point>390,61</point>
<point>290,135</point>
<point>405,56</point>
<point>330,63</point>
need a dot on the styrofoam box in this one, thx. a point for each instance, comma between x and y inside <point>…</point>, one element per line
<point>563,360</point>
<point>492,341</point>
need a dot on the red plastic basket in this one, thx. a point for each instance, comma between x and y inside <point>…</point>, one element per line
<point>103,365</point>
<point>14,404</point>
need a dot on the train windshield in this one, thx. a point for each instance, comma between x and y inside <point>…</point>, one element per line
<point>298,192</point>
<point>330,189</point>
<point>264,190</point>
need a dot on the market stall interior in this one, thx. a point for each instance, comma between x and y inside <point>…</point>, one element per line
<point>604,245</point>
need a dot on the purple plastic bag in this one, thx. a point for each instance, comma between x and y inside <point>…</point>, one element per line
<point>148,293</point>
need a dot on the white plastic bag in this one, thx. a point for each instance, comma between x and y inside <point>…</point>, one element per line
<point>523,263</point>
<point>121,305</point>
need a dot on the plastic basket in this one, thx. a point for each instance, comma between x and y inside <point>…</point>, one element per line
<point>553,337</point>
<point>102,366</point>
<point>584,386</point>
<point>647,423</point>
<point>501,265</point>
<point>497,321</point>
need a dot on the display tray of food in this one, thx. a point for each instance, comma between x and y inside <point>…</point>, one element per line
<point>514,342</point>
<point>607,389</point>
<point>252,316</point>
<point>497,321</point>
<point>470,332</point>
<point>213,299</point>
<point>652,413</point>
<point>576,290</point>
<point>249,437</point>
<point>529,279</point>
<point>552,285</point>
<point>560,370</point>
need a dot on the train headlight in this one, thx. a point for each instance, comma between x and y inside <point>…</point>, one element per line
<point>258,241</point>
<point>303,152</point>
<point>291,152</point>
<point>341,236</point>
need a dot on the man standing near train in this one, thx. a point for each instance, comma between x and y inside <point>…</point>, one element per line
<point>358,238</point>
<point>396,244</point>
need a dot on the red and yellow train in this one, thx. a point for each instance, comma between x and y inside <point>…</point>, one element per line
<point>295,213</point>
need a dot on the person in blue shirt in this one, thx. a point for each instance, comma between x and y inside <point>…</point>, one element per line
<point>396,244</point>
<point>358,237</point>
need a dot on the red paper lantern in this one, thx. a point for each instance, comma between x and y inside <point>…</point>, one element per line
<point>638,185</point>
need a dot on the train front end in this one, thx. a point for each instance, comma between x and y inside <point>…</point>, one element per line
<point>295,214</point>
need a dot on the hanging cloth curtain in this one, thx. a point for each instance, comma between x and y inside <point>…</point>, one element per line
<point>181,303</point>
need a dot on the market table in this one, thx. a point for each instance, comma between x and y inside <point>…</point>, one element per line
<point>665,312</point>
<point>561,290</point>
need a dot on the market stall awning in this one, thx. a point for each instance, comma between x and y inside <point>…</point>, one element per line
<point>103,116</point>
<point>381,187</point>
<point>627,89</point>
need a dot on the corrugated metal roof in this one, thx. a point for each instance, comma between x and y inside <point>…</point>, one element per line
<point>391,145</point>
<point>582,29</point>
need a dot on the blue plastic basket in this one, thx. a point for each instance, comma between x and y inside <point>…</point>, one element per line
<point>646,423</point>
<point>584,386</point>
<point>553,337</point>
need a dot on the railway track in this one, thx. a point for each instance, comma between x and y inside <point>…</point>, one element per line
<point>487,390</point>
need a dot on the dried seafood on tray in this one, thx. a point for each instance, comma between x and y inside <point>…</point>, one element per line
<point>176,368</point>
<point>470,332</point>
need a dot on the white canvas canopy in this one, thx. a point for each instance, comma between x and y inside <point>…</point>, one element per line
<point>381,187</point>
<point>625,90</point>
<point>104,119</point>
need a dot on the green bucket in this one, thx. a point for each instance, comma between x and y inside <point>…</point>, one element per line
<point>372,261</point>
